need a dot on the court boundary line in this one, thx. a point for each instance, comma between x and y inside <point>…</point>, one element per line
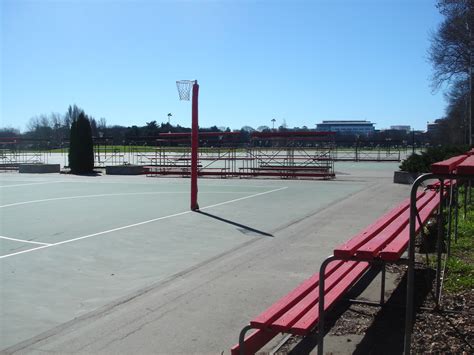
<point>23,240</point>
<point>141,182</point>
<point>29,184</point>
<point>116,194</point>
<point>138,224</point>
<point>178,183</point>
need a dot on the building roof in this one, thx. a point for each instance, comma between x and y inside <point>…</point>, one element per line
<point>351,122</point>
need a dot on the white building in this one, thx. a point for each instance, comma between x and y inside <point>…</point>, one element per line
<point>349,127</point>
<point>405,128</point>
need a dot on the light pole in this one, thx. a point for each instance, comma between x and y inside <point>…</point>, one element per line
<point>169,118</point>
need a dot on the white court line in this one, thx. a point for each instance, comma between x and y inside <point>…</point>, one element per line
<point>244,198</point>
<point>138,224</point>
<point>150,183</point>
<point>33,183</point>
<point>147,183</point>
<point>118,194</point>
<point>23,240</point>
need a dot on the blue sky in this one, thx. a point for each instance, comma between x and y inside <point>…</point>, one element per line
<point>299,62</point>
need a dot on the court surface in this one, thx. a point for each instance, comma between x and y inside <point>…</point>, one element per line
<point>70,245</point>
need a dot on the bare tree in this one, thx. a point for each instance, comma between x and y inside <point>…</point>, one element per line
<point>450,44</point>
<point>451,54</point>
<point>102,124</point>
<point>33,124</point>
<point>263,128</point>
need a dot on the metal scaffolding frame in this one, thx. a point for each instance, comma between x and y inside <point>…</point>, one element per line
<point>305,154</point>
<point>16,151</point>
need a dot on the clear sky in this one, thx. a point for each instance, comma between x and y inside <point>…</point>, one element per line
<point>296,61</point>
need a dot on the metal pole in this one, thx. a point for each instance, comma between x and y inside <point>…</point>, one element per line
<point>322,272</point>
<point>411,264</point>
<point>456,212</point>
<point>450,216</point>
<point>357,150</point>
<point>469,191</point>
<point>382,288</point>
<point>438,244</point>
<point>465,200</point>
<point>242,339</point>
<point>194,148</point>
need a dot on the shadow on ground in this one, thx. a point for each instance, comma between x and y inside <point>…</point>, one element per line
<point>241,227</point>
<point>385,334</point>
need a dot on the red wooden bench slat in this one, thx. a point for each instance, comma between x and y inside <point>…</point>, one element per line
<point>467,166</point>
<point>309,320</point>
<point>288,301</point>
<point>447,166</point>
<point>370,249</point>
<point>292,315</point>
<point>254,342</point>
<point>349,248</point>
<point>393,250</point>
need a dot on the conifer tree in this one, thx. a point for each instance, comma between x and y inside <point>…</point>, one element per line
<point>81,149</point>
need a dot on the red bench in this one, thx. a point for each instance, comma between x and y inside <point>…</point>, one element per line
<point>388,237</point>
<point>297,312</point>
<point>300,311</point>
<point>294,168</point>
<point>168,169</point>
<point>466,167</point>
<point>447,166</point>
<point>285,172</point>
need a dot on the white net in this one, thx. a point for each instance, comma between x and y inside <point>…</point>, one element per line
<point>184,89</point>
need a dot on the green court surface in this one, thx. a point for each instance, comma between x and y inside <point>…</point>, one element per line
<point>69,245</point>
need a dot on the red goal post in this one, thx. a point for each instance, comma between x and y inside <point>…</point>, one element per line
<point>189,89</point>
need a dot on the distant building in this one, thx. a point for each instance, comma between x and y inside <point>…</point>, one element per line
<point>405,128</point>
<point>347,127</point>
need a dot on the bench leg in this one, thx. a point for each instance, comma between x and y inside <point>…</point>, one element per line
<point>470,195</point>
<point>450,216</point>
<point>456,213</point>
<point>252,343</point>
<point>242,339</point>
<point>322,273</point>
<point>411,264</point>
<point>465,200</point>
<point>382,287</point>
<point>438,244</point>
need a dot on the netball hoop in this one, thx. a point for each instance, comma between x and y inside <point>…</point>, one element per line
<point>184,89</point>
<point>185,93</point>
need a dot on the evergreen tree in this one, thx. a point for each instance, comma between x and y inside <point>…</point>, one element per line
<point>81,148</point>
<point>72,154</point>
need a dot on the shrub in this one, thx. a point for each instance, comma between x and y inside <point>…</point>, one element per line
<point>417,163</point>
